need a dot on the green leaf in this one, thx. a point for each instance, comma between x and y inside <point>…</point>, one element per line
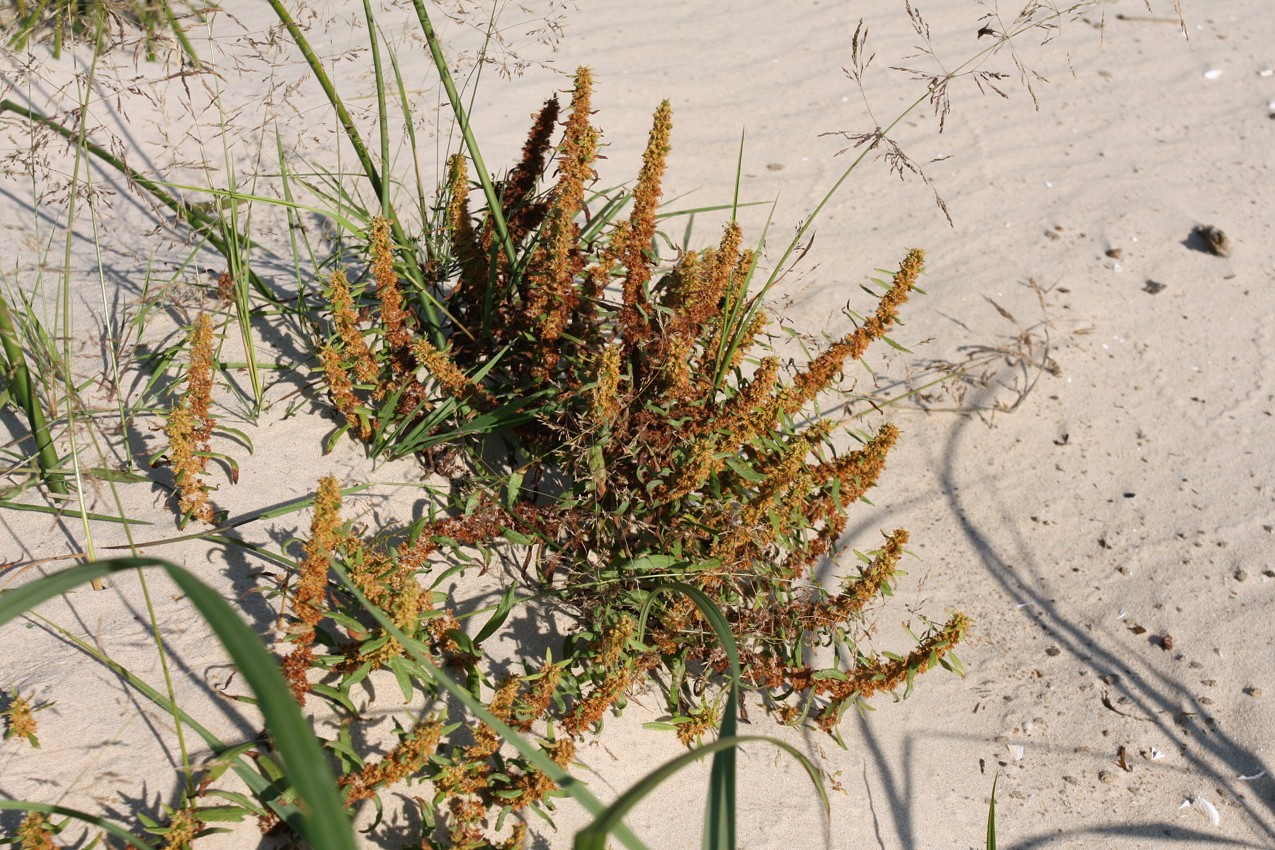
<point>518,538</point>
<point>513,488</point>
<point>652,563</point>
<point>402,675</point>
<point>498,618</point>
<point>745,472</point>
<point>338,696</point>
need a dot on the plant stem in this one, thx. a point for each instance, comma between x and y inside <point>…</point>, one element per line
<point>203,222</point>
<point>24,392</point>
<point>374,176</point>
<point>471,143</point>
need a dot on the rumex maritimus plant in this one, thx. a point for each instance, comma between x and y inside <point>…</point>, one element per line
<point>678,455</point>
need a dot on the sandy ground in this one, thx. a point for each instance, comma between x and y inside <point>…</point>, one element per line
<point>1109,534</point>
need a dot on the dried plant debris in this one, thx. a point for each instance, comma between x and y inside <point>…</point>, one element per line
<point>1215,241</point>
<point>1153,287</point>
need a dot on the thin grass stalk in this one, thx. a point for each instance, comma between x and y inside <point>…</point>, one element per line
<point>180,32</point>
<point>409,129</point>
<point>303,279</point>
<point>204,223</point>
<point>171,689</point>
<point>64,294</point>
<point>19,377</point>
<point>188,772</point>
<point>382,119</point>
<point>428,302</point>
<point>115,337</point>
<point>880,134</point>
<point>262,788</point>
<point>342,114</point>
<point>238,266</point>
<point>494,207</point>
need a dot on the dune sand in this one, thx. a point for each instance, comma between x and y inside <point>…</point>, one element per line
<point>1100,504</point>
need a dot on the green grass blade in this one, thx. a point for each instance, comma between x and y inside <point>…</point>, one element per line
<point>382,117</point>
<point>322,821</point>
<point>594,836</point>
<point>991,818</point>
<point>494,207</point>
<point>234,755</point>
<point>9,504</point>
<point>719,814</point>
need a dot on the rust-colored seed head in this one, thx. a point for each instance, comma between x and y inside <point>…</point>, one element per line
<point>407,758</point>
<point>308,595</point>
<point>346,320</point>
<point>34,832</point>
<point>393,316</point>
<point>447,373</point>
<point>20,720</point>
<point>341,388</point>
<point>190,426</point>
<point>823,369</point>
<point>634,319</point>
<point>182,829</point>
<point>606,398</point>
<point>516,192</point>
<point>458,196</point>
<point>550,292</point>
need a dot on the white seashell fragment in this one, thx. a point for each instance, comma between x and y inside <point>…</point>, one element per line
<point>1266,72</point>
<point>1016,750</point>
<point>1257,775</point>
<point>1205,808</point>
<point>1156,754</point>
<point>1212,73</point>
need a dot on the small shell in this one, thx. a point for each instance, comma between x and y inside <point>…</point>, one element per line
<point>1212,73</point>
<point>1209,810</point>
<point>1204,806</point>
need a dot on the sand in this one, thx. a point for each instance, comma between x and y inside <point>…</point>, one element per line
<point>1100,505</point>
